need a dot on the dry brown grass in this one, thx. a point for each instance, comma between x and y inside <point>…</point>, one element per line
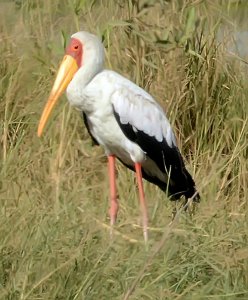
<point>54,240</point>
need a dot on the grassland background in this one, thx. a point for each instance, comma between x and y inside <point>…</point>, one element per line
<point>54,240</point>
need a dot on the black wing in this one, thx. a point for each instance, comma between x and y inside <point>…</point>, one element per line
<point>168,159</point>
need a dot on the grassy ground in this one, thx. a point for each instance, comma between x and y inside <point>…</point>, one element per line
<point>54,239</point>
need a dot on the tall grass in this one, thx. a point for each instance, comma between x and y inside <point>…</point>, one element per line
<point>54,238</point>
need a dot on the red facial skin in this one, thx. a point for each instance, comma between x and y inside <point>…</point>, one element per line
<point>75,49</point>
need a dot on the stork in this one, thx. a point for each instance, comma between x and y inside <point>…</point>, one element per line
<point>124,119</point>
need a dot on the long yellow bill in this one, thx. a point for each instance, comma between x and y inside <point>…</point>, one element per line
<point>65,74</point>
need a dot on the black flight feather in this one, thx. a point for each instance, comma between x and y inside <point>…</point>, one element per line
<point>168,159</point>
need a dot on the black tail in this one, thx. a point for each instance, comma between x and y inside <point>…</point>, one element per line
<point>192,192</point>
<point>167,158</point>
<point>184,184</point>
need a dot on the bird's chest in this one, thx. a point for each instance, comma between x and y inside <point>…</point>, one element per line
<point>100,118</point>
<point>96,104</point>
<point>104,128</point>
<point>107,132</point>
<point>78,99</point>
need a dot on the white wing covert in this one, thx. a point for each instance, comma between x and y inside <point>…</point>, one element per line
<point>143,114</point>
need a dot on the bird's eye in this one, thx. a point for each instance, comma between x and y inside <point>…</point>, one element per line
<point>76,47</point>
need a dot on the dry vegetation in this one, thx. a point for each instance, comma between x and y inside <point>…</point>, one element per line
<point>54,240</point>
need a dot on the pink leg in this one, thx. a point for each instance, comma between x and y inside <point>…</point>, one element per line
<point>142,200</point>
<point>113,195</point>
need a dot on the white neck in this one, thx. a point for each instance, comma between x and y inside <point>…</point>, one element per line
<point>92,64</point>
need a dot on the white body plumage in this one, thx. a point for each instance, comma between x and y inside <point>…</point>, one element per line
<point>120,116</point>
<point>108,92</point>
<point>124,119</point>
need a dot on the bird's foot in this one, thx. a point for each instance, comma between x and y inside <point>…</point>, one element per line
<point>113,217</point>
<point>111,230</point>
<point>145,234</point>
<point>113,214</point>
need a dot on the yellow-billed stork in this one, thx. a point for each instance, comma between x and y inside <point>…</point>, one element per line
<point>124,119</point>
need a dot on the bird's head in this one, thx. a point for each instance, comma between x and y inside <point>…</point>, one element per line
<point>84,49</point>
